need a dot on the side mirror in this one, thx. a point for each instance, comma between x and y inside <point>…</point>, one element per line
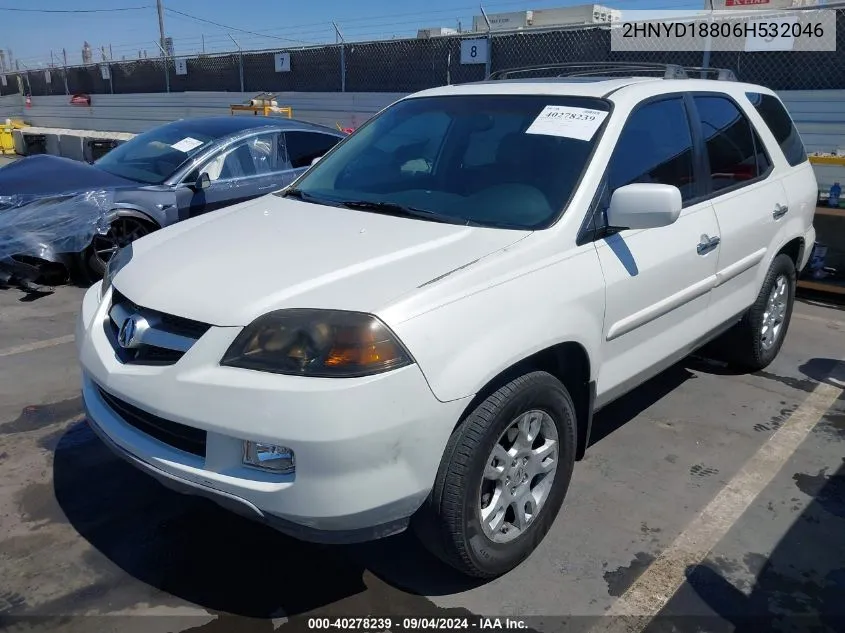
<point>316,160</point>
<point>644,206</point>
<point>201,183</point>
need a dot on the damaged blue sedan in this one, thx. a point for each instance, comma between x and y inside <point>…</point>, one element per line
<point>59,217</point>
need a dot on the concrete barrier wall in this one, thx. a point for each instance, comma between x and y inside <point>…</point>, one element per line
<point>140,112</point>
<point>819,114</point>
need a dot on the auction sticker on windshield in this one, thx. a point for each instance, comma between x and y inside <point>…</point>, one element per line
<point>186,144</point>
<point>568,122</point>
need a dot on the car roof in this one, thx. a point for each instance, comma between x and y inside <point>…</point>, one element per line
<point>597,87</point>
<point>222,126</point>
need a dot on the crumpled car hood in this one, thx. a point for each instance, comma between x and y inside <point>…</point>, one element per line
<point>46,226</point>
<point>231,266</point>
<point>46,175</point>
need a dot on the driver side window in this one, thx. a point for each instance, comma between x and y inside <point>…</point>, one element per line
<point>257,155</point>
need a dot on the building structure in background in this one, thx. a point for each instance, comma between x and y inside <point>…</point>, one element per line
<point>581,14</point>
<point>438,31</point>
<point>728,5</point>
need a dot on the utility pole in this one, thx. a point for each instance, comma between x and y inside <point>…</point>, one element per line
<point>64,55</point>
<point>162,43</point>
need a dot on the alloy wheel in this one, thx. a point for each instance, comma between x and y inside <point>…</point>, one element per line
<point>121,232</point>
<point>775,313</point>
<point>518,476</point>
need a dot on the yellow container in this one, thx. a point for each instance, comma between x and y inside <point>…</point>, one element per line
<point>7,141</point>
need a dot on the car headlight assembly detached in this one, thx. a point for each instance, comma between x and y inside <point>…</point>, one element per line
<point>120,258</point>
<point>317,343</point>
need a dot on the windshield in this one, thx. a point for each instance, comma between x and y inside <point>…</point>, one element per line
<point>153,156</point>
<point>510,161</point>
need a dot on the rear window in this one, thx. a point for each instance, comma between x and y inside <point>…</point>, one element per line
<point>781,125</point>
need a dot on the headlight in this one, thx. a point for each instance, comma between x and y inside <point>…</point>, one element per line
<point>317,343</point>
<point>122,257</point>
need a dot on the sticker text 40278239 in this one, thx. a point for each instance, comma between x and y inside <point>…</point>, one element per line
<point>567,122</point>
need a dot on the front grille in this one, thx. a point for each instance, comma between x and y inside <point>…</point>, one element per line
<point>175,324</point>
<point>161,324</point>
<point>179,436</point>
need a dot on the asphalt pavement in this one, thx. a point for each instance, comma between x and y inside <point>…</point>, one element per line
<point>708,501</point>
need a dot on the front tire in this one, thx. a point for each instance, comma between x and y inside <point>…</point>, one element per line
<point>122,231</point>
<point>757,339</point>
<point>503,478</point>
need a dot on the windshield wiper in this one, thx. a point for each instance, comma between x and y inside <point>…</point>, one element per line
<point>292,193</point>
<point>400,210</point>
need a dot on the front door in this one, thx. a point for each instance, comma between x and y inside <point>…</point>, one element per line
<point>250,168</point>
<point>658,281</point>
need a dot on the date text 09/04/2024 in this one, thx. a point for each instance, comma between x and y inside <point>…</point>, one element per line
<point>387,624</point>
<point>784,29</point>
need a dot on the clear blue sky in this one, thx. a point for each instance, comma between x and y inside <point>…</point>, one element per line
<point>31,36</point>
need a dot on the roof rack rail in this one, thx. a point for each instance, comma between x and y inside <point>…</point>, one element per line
<point>617,69</point>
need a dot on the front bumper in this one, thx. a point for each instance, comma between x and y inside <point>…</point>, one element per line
<point>367,450</point>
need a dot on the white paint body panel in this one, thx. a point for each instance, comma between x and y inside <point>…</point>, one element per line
<point>467,303</point>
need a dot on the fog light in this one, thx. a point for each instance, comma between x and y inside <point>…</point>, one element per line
<point>277,459</point>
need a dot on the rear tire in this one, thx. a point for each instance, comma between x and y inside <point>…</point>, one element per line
<point>515,450</point>
<point>756,340</point>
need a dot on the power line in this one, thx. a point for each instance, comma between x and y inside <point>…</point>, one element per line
<point>114,10</point>
<point>233,28</point>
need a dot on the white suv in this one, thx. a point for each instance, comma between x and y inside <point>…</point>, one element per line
<point>419,330</point>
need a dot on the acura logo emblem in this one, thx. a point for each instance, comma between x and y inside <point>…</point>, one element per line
<point>126,336</point>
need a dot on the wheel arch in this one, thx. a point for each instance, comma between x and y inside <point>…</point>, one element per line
<point>125,211</point>
<point>570,363</point>
<point>795,249</point>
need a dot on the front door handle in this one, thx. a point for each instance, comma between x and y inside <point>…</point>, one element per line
<point>780,211</point>
<point>707,244</point>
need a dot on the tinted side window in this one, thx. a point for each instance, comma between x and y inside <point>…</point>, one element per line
<point>781,125</point>
<point>304,147</point>
<point>655,146</point>
<point>732,148</point>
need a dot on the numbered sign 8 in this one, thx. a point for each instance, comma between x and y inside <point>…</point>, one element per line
<point>474,51</point>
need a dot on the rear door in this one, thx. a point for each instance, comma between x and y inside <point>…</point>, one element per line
<point>658,280</point>
<point>748,196</point>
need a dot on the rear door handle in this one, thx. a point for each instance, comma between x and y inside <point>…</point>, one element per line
<point>707,244</point>
<point>780,211</point>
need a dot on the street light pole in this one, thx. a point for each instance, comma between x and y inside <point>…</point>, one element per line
<point>162,43</point>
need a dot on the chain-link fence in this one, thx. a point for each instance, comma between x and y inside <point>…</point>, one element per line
<point>409,65</point>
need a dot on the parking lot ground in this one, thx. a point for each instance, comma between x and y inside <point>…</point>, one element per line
<point>706,498</point>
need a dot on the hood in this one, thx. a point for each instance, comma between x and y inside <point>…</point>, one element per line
<point>228,268</point>
<point>47,175</point>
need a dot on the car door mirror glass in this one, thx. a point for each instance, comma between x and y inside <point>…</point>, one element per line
<point>203,182</point>
<point>644,206</point>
